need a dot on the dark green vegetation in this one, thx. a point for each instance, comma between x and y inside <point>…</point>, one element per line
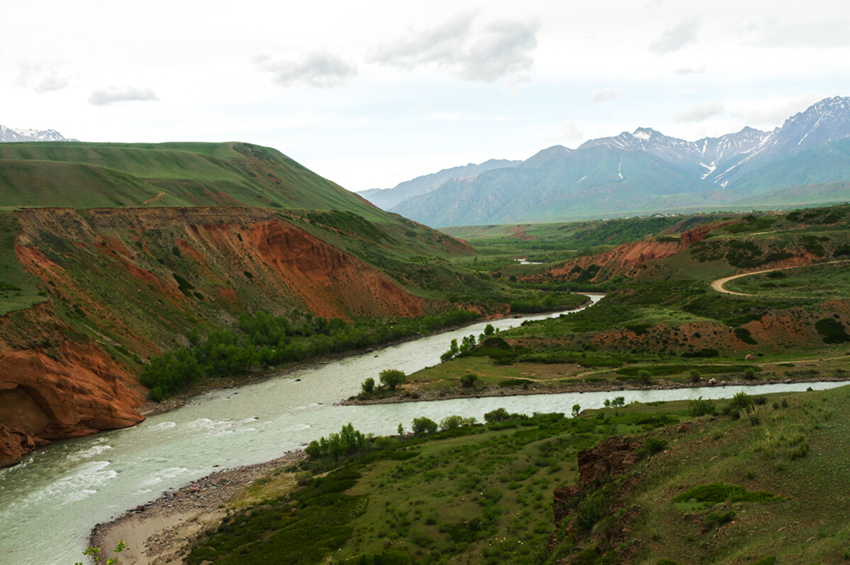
<point>662,324</point>
<point>476,492</point>
<point>716,490</point>
<point>262,342</point>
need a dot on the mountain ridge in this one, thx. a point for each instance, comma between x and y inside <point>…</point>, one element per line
<point>709,173</point>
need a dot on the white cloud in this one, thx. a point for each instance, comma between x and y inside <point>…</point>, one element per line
<point>690,70</point>
<point>116,94</point>
<point>477,53</point>
<point>605,94</point>
<point>825,34</point>
<point>572,130</point>
<point>320,69</point>
<point>675,38</point>
<point>699,112</point>
<point>772,112</point>
<point>42,77</point>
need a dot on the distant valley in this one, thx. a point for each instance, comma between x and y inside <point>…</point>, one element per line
<point>804,162</point>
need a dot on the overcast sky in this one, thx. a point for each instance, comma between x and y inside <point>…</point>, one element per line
<point>371,93</point>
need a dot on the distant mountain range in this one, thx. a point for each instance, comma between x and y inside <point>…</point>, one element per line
<point>386,198</point>
<point>804,162</point>
<point>8,134</point>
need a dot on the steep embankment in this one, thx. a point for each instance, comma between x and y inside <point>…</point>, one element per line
<point>125,284</point>
<point>628,258</point>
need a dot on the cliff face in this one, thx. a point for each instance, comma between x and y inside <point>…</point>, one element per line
<point>54,387</point>
<point>126,284</point>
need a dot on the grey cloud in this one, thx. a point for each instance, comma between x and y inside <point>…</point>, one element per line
<point>41,77</point>
<point>690,70</point>
<point>319,69</point>
<point>675,38</point>
<point>699,112</point>
<point>605,94</point>
<point>477,53</point>
<point>116,94</point>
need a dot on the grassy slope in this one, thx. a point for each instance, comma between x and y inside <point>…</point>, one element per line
<point>483,494</point>
<point>18,289</point>
<point>88,175</point>
<point>811,522</point>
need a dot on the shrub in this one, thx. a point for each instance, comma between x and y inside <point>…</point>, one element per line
<point>700,407</point>
<point>717,519</point>
<point>695,376</point>
<point>741,402</point>
<point>391,378</point>
<point>468,380</point>
<point>368,386</point>
<point>497,415</point>
<point>450,423</point>
<point>424,426</point>
<point>654,445</point>
<point>644,377</point>
<point>832,331</point>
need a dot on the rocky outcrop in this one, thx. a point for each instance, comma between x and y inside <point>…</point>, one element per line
<point>42,398</point>
<point>596,467</point>
<point>627,259</point>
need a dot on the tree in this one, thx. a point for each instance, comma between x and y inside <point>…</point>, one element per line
<point>497,415</point>
<point>391,378</point>
<point>453,351</point>
<point>450,423</point>
<point>368,386</point>
<point>424,426</point>
<point>576,410</point>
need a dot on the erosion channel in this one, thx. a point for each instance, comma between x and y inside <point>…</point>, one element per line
<point>50,502</point>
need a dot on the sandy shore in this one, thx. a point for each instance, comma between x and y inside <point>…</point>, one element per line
<point>161,531</point>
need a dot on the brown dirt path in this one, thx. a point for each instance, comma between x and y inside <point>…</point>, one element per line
<point>718,284</point>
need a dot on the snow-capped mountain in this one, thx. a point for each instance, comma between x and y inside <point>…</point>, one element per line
<point>8,134</point>
<point>646,171</point>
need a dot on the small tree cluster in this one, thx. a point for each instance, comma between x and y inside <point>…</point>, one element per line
<point>423,426</point>
<point>346,442</point>
<point>617,402</point>
<point>452,422</point>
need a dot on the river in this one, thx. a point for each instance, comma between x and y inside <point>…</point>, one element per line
<point>50,502</point>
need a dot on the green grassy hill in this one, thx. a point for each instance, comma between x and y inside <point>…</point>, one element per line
<point>93,175</point>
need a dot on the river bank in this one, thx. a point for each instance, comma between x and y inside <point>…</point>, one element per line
<point>180,399</point>
<point>160,532</point>
<point>578,387</point>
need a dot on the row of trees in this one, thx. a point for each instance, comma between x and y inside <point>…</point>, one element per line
<point>262,340</point>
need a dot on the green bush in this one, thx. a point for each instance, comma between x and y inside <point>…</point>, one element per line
<point>497,415</point>
<point>468,380</point>
<point>368,386</point>
<point>654,445</point>
<point>391,378</point>
<point>423,426</point>
<point>700,407</point>
<point>832,331</point>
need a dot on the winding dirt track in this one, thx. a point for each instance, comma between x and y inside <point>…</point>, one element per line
<point>718,284</point>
